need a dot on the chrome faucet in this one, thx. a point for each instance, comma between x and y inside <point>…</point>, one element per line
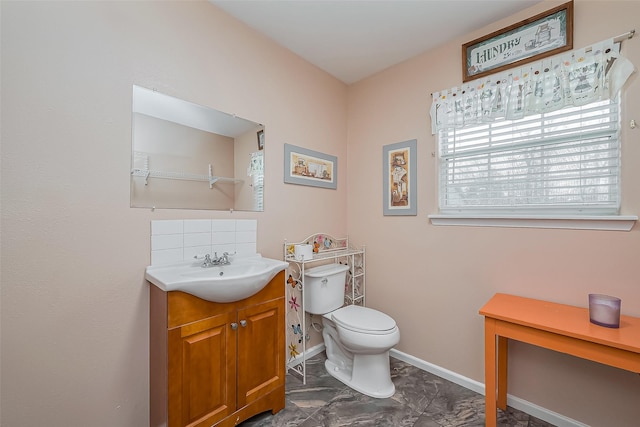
<point>208,262</point>
<point>211,262</point>
<point>224,259</point>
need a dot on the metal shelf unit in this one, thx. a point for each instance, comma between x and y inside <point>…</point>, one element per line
<point>327,249</point>
<point>147,173</point>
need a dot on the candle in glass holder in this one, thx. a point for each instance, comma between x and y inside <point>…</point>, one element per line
<point>604,310</point>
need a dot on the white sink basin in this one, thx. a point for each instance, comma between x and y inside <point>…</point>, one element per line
<point>244,277</point>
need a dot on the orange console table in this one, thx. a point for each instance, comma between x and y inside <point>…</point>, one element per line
<point>558,327</point>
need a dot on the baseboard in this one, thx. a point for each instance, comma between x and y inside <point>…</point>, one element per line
<point>308,354</point>
<point>515,402</point>
<point>448,375</point>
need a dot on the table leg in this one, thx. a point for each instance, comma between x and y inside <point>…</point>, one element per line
<point>502,372</point>
<point>490,372</point>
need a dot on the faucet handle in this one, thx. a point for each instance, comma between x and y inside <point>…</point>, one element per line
<point>208,262</point>
<point>224,259</point>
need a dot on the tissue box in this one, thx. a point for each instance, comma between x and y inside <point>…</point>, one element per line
<point>303,252</point>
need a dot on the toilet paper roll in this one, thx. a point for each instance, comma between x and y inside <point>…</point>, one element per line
<point>303,252</point>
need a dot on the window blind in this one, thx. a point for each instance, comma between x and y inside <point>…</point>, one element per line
<point>258,191</point>
<point>256,172</point>
<point>561,162</point>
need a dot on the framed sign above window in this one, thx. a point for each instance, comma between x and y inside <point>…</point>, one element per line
<point>543,35</point>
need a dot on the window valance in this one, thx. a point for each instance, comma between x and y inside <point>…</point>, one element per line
<point>573,78</point>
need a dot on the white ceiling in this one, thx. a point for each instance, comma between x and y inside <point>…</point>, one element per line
<point>353,39</point>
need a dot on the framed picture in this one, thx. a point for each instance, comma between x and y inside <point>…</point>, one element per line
<point>260,139</point>
<point>399,178</point>
<point>308,167</point>
<point>543,35</point>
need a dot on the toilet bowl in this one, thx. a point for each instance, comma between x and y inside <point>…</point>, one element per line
<point>357,339</point>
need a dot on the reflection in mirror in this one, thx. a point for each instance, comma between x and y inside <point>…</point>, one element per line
<point>193,157</point>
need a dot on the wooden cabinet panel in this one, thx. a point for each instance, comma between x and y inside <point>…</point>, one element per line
<point>261,367</point>
<point>216,364</point>
<point>202,365</point>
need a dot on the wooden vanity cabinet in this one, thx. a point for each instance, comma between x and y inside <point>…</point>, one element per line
<point>216,364</point>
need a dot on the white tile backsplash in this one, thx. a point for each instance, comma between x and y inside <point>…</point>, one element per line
<point>245,236</point>
<point>197,239</point>
<point>166,241</point>
<point>223,237</point>
<point>180,240</point>
<point>193,252</point>
<point>166,256</point>
<point>229,248</point>
<point>223,225</point>
<point>246,225</point>
<point>167,227</point>
<point>244,249</point>
<point>197,226</point>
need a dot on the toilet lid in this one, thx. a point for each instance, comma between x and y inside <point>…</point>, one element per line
<point>363,319</point>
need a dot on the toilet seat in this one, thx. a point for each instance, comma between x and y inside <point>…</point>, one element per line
<point>364,320</point>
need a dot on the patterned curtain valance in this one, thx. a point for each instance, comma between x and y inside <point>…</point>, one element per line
<point>573,78</point>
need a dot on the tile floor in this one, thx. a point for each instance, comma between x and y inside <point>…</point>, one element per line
<point>421,400</point>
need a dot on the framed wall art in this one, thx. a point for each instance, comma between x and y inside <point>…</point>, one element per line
<point>308,167</point>
<point>399,178</point>
<point>543,35</point>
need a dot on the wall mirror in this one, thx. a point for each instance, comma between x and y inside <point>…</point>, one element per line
<point>189,156</point>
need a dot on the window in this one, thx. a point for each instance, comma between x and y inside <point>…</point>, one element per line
<point>256,172</point>
<point>257,183</point>
<point>565,162</point>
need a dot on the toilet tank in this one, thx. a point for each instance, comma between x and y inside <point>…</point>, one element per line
<point>324,288</point>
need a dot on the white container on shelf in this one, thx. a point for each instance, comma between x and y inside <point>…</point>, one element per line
<point>303,252</point>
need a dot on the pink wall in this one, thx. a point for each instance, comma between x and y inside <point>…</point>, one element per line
<point>75,306</point>
<point>74,302</point>
<point>433,280</point>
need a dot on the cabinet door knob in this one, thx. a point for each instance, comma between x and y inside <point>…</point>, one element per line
<point>234,326</point>
<point>243,323</point>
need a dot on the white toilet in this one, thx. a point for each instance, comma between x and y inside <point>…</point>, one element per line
<point>357,339</point>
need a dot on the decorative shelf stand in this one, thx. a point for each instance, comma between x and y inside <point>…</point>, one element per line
<point>327,249</point>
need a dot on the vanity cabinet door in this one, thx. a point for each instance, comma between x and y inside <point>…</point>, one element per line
<point>261,350</point>
<point>202,371</point>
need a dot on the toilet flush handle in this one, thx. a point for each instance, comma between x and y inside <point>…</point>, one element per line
<point>324,280</point>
